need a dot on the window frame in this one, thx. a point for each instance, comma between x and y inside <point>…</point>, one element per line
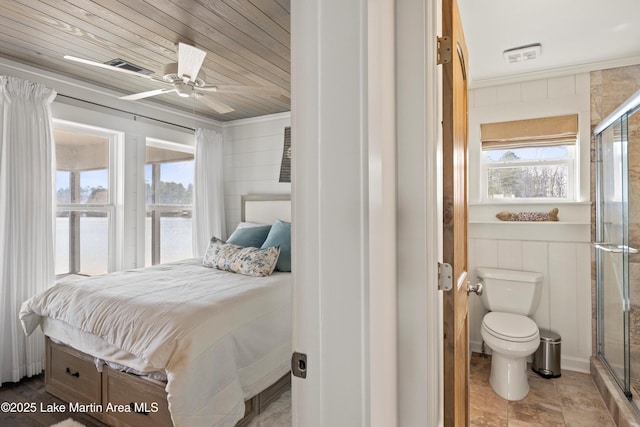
<point>572,174</point>
<point>157,209</point>
<point>114,205</point>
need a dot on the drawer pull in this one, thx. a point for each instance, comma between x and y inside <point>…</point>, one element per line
<point>133,408</point>
<point>72,374</point>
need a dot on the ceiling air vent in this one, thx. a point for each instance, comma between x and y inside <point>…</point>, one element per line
<point>121,63</point>
<point>522,53</point>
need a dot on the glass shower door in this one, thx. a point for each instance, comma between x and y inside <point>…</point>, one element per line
<point>612,251</point>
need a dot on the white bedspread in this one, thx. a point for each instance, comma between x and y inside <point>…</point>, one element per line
<point>221,337</point>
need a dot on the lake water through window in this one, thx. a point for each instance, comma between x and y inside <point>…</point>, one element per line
<point>169,175</point>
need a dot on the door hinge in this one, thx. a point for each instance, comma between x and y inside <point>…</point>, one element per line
<point>443,50</point>
<point>299,365</point>
<point>445,276</point>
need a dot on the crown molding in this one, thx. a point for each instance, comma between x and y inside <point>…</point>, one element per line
<point>259,119</point>
<point>556,72</point>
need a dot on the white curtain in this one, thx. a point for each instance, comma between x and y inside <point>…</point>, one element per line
<point>26,218</point>
<point>208,197</point>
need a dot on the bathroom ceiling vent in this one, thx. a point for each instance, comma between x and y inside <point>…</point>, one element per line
<point>522,53</point>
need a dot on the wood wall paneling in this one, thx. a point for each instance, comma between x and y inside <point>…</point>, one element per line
<point>247,43</point>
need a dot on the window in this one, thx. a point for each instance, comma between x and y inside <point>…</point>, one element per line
<point>169,175</point>
<point>529,173</point>
<point>530,159</point>
<point>84,200</point>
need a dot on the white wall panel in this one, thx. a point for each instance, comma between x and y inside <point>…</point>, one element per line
<point>563,285</point>
<point>508,94</point>
<point>583,297</point>
<point>534,99</point>
<point>476,310</point>
<point>255,158</point>
<point>252,156</point>
<point>261,142</point>
<point>535,258</point>
<point>482,253</point>
<point>486,253</point>
<point>560,251</point>
<point>534,90</point>
<point>510,254</point>
<point>565,302</point>
<point>560,87</point>
<point>485,96</point>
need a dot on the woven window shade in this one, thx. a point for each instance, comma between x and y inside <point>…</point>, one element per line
<point>544,132</point>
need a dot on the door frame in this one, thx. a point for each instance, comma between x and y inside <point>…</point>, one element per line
<point>419,115</point>
<point>456,356</point>
<point>418,248</point>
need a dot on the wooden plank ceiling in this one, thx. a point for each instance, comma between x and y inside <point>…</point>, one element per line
<point>247,43</point>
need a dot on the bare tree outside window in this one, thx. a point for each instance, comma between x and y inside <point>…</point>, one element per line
<point>510,176</point>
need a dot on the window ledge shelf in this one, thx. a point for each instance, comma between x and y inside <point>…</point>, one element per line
<point>512,202</point>
<point>532,222</point>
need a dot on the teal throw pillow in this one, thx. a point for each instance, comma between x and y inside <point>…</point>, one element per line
<point>252,237</point>
<point>280,235</point>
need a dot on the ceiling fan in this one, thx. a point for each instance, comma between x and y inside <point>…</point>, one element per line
<point>186,78</point>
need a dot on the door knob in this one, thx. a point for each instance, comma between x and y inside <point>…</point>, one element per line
<point>477,288</point>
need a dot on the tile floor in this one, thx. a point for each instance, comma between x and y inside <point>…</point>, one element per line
<point>570,400</point>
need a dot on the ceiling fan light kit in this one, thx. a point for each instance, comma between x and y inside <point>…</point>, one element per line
<point>184,90</point>
<point>170,75</point>
<point>185,77</point>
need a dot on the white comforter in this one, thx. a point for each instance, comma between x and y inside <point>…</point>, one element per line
<point>221,337</point>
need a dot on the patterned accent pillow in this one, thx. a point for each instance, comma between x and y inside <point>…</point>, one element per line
<point>237,259</point>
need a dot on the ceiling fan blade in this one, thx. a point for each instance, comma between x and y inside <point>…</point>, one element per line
<point>147,94</point>
<point>190,60</point>
<point>218,106</point>
<point>243,90</point>
<point>105,66</point>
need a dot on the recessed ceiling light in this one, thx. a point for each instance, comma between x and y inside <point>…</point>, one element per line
<point>522,53</point>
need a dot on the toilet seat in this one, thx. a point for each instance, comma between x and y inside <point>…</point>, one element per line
<point>510,327</point>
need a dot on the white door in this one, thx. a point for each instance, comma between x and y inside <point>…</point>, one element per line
<point>329,231</point>
<point>344,290</point>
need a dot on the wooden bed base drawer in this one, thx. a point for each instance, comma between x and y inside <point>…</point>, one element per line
<point>72,375</point>
<point>134,401</point>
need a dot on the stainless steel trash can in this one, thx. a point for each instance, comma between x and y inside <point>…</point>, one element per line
<point>546,360</point>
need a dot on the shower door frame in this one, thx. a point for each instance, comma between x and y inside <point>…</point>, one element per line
<point>603,246</point>
<point>620,115</point>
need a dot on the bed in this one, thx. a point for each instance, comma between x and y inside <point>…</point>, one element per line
<point>177,344</point>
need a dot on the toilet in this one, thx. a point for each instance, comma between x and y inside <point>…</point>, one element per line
<point>511,297</point>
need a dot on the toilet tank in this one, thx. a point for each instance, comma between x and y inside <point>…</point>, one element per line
<point>510,291</point>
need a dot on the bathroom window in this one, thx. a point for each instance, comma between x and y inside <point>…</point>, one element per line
<point>530,160</point>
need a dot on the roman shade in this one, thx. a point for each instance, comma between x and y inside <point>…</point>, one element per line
<point>546,132</point>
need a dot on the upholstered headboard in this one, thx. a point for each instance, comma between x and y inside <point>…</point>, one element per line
<point>265,208</point>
